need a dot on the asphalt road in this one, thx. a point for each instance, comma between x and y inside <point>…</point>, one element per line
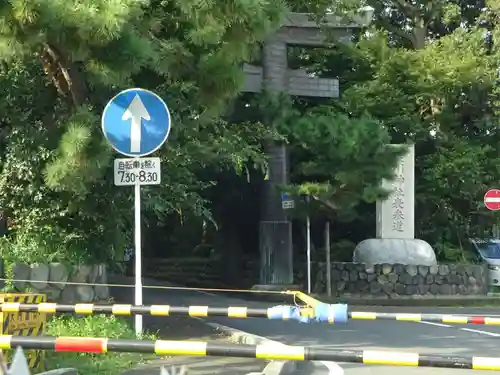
<point>426,338</point>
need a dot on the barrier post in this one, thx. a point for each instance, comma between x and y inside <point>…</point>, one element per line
<point>24,324</point>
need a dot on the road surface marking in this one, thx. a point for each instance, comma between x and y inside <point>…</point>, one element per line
<point>481,332</point>
<point>437,324</point>
<point>333,368</point>
<point>486,333</point>
<point>207,293</point>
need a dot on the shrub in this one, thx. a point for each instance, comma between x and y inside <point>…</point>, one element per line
<point>93,326</point>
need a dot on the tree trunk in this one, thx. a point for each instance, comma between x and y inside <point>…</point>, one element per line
<point>64,74</point>
<point>419,35</point>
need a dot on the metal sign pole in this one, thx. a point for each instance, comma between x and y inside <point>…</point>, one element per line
<point>328,260</point>
<point>138,256</point>
<point>308,238</point>
<point>122,125</point>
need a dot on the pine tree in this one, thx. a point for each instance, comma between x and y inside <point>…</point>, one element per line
<point>92,48</point>
<point>55,177</point>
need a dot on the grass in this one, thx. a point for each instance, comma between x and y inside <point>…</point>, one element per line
<point>93,326</point>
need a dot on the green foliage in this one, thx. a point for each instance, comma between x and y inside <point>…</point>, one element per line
<point>444,99</point>
<point>423,75</point>
<point>413,24</point>
<point>56,178</point>
<point>340,161</point>
<point>397,87</point>
<point>342,250</point>
<point>81,157</point>
<point>337,160</point>
<point>93,326</point>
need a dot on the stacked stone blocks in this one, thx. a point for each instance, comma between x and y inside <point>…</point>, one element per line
<point>51,279</point>
<point>396,280</point>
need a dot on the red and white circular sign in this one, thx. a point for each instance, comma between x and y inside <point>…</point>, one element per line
<point>492,199</point>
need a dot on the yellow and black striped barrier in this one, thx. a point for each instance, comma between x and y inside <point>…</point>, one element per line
<point>35,325</point>
<point>438,318</point>
<point>24,323</point>
<point>155,310</point>
<point>272,351</point>
<point>330,313</point>
<point>229,312</point>
<point>405,317</point>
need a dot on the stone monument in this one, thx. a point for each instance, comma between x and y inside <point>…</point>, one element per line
<point>396,214</point>
<point>395,242</point>
<point>275,231</point>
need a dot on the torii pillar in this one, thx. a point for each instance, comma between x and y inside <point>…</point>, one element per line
<point>275,230</point>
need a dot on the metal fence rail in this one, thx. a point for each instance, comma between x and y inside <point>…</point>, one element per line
<point>266,351</point>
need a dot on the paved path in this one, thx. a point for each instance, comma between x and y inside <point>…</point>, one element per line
<point>203,366</point>
<point>360,335</point>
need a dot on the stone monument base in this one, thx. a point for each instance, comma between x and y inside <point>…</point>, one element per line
<point>394,250</point>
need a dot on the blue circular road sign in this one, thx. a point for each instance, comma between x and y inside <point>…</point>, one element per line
<point>136,122</point>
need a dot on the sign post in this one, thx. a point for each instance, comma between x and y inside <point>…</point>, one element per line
<point>308,246</point>
<point>492,199</point>
<point>136,123</point>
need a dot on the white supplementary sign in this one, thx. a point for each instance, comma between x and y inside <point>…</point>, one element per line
<point>142,171</point>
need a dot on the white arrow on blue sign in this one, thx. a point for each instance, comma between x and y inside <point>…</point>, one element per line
<point>136,122</point>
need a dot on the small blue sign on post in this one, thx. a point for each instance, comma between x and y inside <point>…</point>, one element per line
<point>136,122</point>
<point>287,202</point>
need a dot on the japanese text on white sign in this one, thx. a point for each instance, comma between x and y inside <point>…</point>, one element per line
<point>142,171</point>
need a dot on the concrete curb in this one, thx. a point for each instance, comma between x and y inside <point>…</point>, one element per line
<point>60,371</point>
<point>276,367</point>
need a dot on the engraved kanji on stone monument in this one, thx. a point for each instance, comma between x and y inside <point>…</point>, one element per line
<point>396,215</point>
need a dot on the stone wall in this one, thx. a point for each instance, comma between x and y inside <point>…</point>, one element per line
<point>51,279</point>
<point>397,280</point>
<point>202,272</point>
